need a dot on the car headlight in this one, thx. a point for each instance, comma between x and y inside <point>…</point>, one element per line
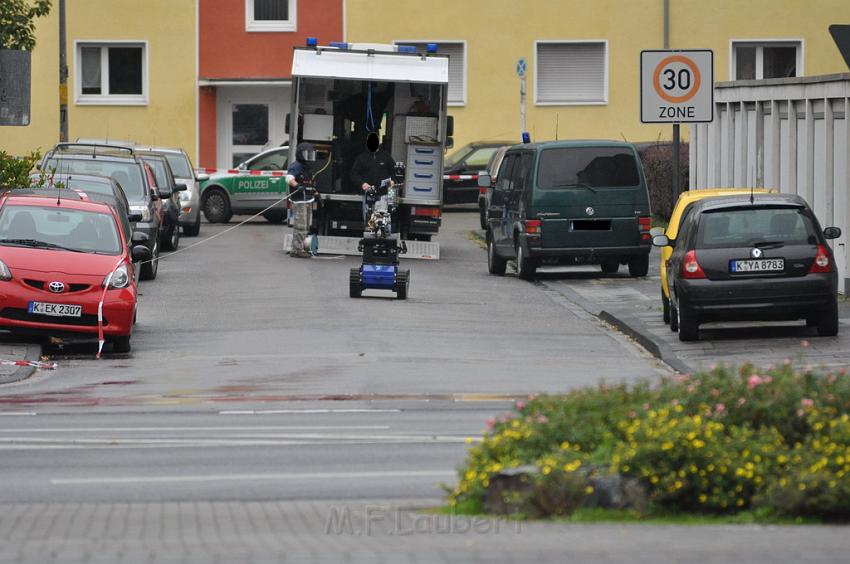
<point>120,278</point>
<point>144,210</point>
<point>184,196</point>
<point>5,273</point>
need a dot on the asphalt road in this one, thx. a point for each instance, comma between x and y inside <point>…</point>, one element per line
<point>260,400</point>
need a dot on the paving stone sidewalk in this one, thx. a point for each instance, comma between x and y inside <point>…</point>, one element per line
<point>634,306</point>
<point>16,351</point>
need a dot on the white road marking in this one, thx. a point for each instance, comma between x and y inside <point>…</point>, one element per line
<point>313,476</point>
<point>308,411</point>
<point>193,429</point>
<point>8,413</point>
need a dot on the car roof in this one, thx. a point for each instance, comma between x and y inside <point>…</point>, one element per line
<point>72,199</point>
<point>72,175</point>
<point>574,143</point>
<point>153,149</point>
<point>755,199</point>
<point>91,151</point>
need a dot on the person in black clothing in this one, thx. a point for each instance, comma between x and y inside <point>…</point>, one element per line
<point>372,167</point>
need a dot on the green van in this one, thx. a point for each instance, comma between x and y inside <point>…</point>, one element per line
<point>569,203</point>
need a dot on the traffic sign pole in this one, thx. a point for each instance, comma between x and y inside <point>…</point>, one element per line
<point>676,165</point>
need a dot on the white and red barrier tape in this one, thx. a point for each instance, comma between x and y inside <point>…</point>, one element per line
<point>33,363</point>
<point>240,172</point>
<point>460,177</point>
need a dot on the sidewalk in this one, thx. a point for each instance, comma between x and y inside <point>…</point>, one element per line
<point>634,307</point>
<point>17,351</point>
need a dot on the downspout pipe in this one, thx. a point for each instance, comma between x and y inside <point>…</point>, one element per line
<point>666,24</point>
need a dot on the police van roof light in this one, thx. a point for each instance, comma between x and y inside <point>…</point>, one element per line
<point>526,138</point>
<point>407,49</point>
<point>431,48</point>
<point>312,41</point>
<point>339,45</point>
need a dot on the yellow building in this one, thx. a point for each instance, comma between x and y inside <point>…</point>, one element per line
<point>131,75</point>
<point>583,55</point>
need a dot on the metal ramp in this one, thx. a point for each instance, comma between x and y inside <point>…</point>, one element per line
<point>328,245</point>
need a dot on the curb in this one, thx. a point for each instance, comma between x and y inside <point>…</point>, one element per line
<point>627,325</point>
<point>23,372</point>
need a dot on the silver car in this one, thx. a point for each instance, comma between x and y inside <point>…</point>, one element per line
<point>190,199</point>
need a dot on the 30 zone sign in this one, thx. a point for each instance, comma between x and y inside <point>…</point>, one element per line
<point>676,86</point>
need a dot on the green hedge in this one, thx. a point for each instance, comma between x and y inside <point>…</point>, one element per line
<point>720,441</point>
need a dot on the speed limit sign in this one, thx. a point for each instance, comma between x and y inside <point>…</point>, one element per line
<point>676,86</point>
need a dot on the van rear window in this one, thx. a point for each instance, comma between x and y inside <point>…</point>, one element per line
<point>597,167</point>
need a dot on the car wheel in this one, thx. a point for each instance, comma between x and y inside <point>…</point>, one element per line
<point>639,266</point>
<point>275,216</point>
<point>495,264</point>
<point>149,269</point>
<point>688,323</point>
<point>355,288</point>
<point>526,268</point>
<point>610,266</point>
<point>828,322</point>
<point>482,211</point>
<point>171,238</point>
<point>402,284</point>
<point>674,317</point>
<point>217,207</point>
<point>194,229</point>
<point>665,306</point>
<point>121,344</point>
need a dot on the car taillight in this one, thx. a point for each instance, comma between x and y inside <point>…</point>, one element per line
<point>644,225</point>
<point>425,212</point>
<point>532,226</point>
<point>821,263</point>
<point>690,267</point>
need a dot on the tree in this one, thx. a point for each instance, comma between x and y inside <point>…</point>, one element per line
<point>17,22</point>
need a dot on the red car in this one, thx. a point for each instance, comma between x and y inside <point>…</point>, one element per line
<point>58,252</point>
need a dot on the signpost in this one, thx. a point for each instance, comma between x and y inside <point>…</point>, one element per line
<point>676,87</point>
<point>521,69</point>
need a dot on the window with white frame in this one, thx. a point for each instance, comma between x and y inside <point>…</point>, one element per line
<point>456,51</point>
<point>571,73</point>
<point>755,60</point>
<point>270,15</point>
<point>111,73</point>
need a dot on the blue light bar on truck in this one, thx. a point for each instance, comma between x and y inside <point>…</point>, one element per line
<point>339,45</point>
<point>431,48</point>
<point>312,41</point>
<point>407,49</point>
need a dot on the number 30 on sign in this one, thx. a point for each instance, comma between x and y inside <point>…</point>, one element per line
<point>677,86</point>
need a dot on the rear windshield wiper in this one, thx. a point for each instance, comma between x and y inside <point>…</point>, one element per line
<point>768,244</point>
<point>38,244</point>
<point>575,185</point>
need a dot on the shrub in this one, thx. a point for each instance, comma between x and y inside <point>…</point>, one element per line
<point>722,440</point>
<point>657,163</point>
<point>14,172</point>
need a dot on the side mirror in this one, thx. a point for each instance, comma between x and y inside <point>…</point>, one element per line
<point>165,193</point>
<point>286,126</point>
<point>832,232</point>
<point>656,231</point>
<point>141,253</point>
<point>203,177</point>
<point>450,126</point>
<point>242,166</point>
<point>483,180</point>
<point>661,241</point>
<point>180,188</point>
<point>134,217</point>
<point>154,195</point>
<point>450,142</point>
<point>139,238</point>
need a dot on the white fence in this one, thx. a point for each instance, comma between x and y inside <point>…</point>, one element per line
<point>791,134</point>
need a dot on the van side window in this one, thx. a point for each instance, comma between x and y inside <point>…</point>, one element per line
<point>503,183</point>
<point>519,176</point>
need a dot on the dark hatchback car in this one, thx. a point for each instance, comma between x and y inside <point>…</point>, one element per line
<point>133,175</point>
<point>758,257</point>
<point>461,168</point>
<point>169,191</point>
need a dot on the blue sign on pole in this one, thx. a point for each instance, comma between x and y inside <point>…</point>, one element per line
<point>521,67</point>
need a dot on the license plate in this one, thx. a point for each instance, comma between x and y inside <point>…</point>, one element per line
<point>757,265</point>
<point>56,310</point>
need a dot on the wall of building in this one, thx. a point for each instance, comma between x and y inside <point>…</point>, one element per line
<point>498,32</point>
<point>169,117</point>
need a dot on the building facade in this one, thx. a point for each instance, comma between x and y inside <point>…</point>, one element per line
<point>583,57</point>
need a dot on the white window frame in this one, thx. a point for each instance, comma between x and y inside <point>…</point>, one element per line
<point>760,44</point>
<point>270,25</point>
<point>603,102</point>
<point>463,100</point>
<point>103,99</point>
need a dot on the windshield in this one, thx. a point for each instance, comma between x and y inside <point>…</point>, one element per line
<point>752,227</point>
<point>180,166</point>
<point>457,156</point>
<point>597,167</point>
<point>127,174</point>
<point>63,229</point>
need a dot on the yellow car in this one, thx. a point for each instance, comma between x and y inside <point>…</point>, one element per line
<point>683,204</point>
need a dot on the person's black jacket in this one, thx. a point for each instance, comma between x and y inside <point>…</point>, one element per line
<point>372,168</point>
